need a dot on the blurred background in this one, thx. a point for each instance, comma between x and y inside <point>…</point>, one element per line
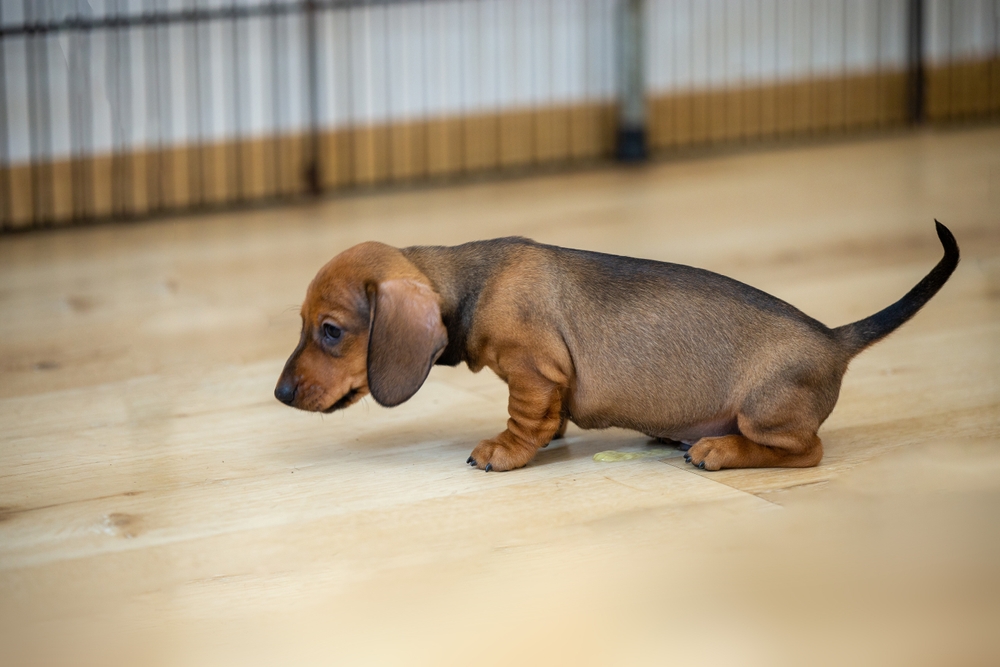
<point>125,108</point>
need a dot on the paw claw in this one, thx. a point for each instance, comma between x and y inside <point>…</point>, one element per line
<point>702,465</point>
<point>489,467</point>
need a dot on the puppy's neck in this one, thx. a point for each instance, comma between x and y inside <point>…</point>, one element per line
<point>459,274</point>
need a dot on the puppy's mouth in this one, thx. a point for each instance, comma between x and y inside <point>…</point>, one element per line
<point>343,401</point>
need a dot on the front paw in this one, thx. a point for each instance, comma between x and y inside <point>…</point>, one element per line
<point>500,453</point>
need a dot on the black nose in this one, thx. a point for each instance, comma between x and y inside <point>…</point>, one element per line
<point>285,391</point>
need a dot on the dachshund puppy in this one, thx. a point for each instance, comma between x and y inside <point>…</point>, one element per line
<point>671,351</point>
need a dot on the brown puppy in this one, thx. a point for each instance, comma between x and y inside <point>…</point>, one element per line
<point>668,350</point>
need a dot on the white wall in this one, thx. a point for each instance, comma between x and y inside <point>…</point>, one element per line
<point>149,87</point>
<point>961,30</point>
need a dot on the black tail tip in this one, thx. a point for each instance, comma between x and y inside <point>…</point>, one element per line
<point>947,238</point>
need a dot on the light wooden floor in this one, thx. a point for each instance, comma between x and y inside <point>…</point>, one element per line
<point>158,506</point>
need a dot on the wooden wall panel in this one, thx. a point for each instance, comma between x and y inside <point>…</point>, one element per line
<point>136,199</point>
<point>62,191</point>
<point>517,140</point>
<point>294,155</point>
<point>5,217</point>
<point>593,130</point>
<point>610,129</point>
<point>684,119</point>
<point>81,186</point>
<point>837,100</point>
<point>219,172</point>
<point>102,175</point>
<point>803,119</point>
<point>769,111</point>
<point>407,151</point>
<point>667,117</point>
<point>995,84</point>
<point>370,149</point>
<point>169,170</point>
<point>21,205</point>
<point>716,117</point>
<point>251,166</point>
<point>552,134</point>
<point>150,192</point>
<point>585,131</point>
<point>751,110</point>
<point>819,101</point>
<point>582,131</point>
<point>659,112</point>
<point>444,146</point>
<point>676,106</point>
<point>862,101</point>
<point>734,115</point>
<point>481,142</point>
<point>335,159</point>
<point>963,90</point>
<point>785,107</point>
<point>700,120</point>
<point>938,96</point>
<point>978,82</point>
<point>892,98</point>
<point>121,186</point>
<point>41,186</point>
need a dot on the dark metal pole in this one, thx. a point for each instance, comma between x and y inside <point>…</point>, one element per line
<point>312,57</point>
<point>915,61</point>
<point>5,206</point>
<point>632,113</point>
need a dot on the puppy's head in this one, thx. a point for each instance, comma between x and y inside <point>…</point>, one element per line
<point>371,323</point>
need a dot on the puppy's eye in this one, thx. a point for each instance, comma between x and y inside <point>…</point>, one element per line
<point>331,332</point>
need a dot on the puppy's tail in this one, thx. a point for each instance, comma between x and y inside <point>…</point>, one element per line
<point>859,335</point>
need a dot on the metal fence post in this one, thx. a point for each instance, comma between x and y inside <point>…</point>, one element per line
<point>632,104</point>
<point>915,61</point>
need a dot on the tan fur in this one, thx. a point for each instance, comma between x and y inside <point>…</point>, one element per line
<point>674,352</point>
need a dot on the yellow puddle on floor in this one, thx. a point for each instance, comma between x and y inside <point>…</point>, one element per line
<point>613,455</point>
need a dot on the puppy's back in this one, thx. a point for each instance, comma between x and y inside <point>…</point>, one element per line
<point>661,342</point>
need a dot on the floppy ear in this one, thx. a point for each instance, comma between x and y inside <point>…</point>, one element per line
<point>406,337</point>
